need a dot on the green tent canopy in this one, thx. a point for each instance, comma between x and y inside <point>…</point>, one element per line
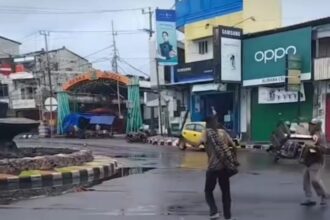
<point>134,118</point>
<point>62,111</point>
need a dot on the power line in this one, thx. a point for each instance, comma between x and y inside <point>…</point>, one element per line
<point>133,67</point>
<point>39,11</point>
<point>82,31</point>
<point>99,60</point>
<point>98,51</point>
<point>28,8</point>
<point>122,69</point>
<point>102,59</point>
<point>118,32</point>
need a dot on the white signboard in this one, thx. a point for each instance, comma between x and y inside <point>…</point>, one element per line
<point>268,95</point>
<point>23,104</point>
<point>229,53</point>
<point>230,59</point>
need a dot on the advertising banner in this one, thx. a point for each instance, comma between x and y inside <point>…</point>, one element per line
<point>279,95</point>
<point>264,57</point>
<point>230,50</point>
<point>166,37</point>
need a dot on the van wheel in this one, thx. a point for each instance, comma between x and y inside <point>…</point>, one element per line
<point>182,145</point>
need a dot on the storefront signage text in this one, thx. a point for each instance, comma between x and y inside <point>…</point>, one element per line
<point>275,54</point>
<point>278,79</point>
<point>90,76</point>
<point>194,70</point>
<point>231,32</point>
<point>265,60</point>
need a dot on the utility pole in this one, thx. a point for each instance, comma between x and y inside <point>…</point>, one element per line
<point>149,12</point>
<point>38,95</point>
<point>115,65</point>
<point>150,31</point>
<point>46,34</point>
<point>160,124</point>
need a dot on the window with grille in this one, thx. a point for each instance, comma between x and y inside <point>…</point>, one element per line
<point>203,47</point>
<point>28,92</point>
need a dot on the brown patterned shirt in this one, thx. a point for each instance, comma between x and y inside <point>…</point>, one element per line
<point>218,152</point>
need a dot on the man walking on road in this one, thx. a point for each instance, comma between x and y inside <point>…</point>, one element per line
<point>221,165</point>
<point>314,161</point>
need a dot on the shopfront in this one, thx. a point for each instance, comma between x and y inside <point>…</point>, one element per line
<point>206,95</point>
<point>219,97</point>
<point>264,74</point>
<point>215,83</point>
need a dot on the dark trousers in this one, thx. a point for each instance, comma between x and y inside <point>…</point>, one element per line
<point>212,176</point>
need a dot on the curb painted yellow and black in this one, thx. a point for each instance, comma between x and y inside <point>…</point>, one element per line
<point>163,141</point>
<point>174,142</point>
<point>81,175</point>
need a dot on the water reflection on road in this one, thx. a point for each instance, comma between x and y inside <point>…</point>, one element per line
<point>175,189</point>
<point>253,162</point>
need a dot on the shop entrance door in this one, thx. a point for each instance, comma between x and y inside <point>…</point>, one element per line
<point>223,103</point>
<point>327,119</point>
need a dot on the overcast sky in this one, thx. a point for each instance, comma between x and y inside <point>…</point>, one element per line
<point>132,45</point>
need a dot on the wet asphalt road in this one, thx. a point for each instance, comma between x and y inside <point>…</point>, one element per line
<point>174,190</point>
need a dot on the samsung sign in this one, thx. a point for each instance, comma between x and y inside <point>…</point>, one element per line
<point>264,57</point>
<point>227,46</point>
<point>231,32</point>
<point>194,70</point>
<point>274,54</point>
<point>184,70</point>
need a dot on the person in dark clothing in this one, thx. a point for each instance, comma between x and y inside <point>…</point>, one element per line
<point>220,161</point>
<point>313,158</point>
<point>166,49</point>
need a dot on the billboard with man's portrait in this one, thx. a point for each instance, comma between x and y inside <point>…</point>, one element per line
<point>166,37</point>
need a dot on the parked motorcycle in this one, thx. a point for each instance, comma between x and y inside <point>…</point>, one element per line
<point>288,143</point>
<point>138,137</point>
<point>290,150</point>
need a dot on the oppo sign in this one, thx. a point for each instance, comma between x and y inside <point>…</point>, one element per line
<point>275,54</point>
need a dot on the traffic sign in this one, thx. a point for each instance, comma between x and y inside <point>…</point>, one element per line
<point>51,104</point>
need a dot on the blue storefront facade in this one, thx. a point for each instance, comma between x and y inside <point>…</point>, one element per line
<point>204,94</point>
<point>211,71</point>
